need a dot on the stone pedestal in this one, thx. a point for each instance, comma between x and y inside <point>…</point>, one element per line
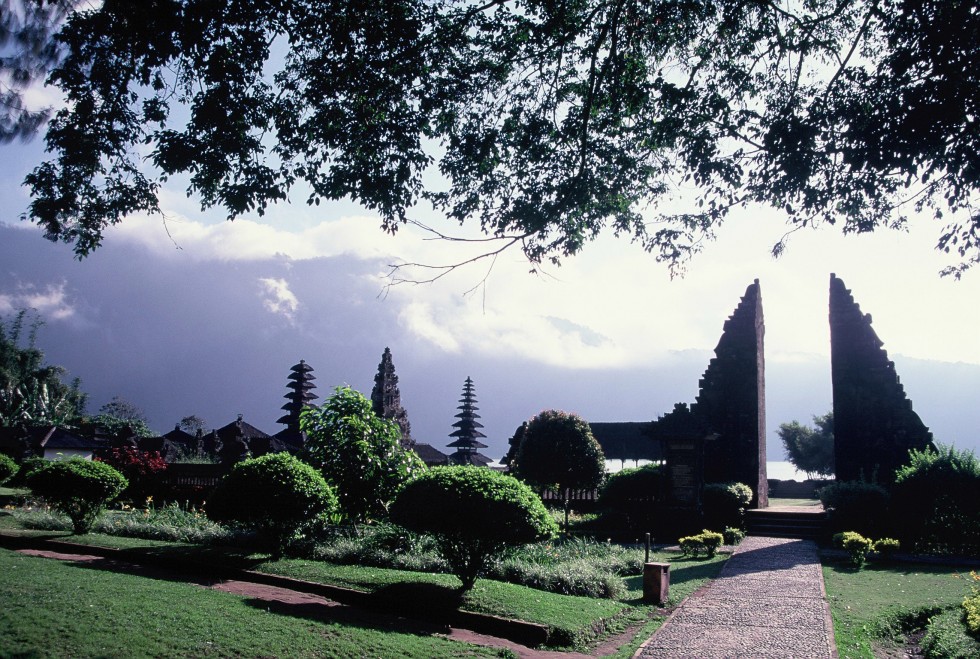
<point>656,582</point>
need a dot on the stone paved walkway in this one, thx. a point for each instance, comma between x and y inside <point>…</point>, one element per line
<point>768,601</point>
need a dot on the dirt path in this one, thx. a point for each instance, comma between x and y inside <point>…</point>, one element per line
<point>284,600</point>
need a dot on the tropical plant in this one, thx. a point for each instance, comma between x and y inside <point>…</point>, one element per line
<point>811,450</point>
<point>78,488</point>
<point>274,496</point>
<point>473,513</point>
<point>358,453</point>
<point>559,453</point>
<point>32,393</point>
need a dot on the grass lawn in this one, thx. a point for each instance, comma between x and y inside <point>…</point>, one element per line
<point>872,606</point>
<point>775,503</point>
<point>579,622</point>
<point>50,608</point>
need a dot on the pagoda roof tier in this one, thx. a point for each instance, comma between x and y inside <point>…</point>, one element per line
<point>471,433</point>
<point>462,457</point>
<point>467,423</point>
<point>301,377</point>
<point>302,366</point>
<point>300,396</point>
<point>467,443</point>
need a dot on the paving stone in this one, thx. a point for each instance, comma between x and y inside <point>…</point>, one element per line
<point>768,601</point>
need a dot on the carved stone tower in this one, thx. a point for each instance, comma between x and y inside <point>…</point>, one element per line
<point>386,399</point>
<point>732,401</point>
<point>874,424</point>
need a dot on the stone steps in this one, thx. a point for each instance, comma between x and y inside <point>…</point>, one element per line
<point>807,524</point>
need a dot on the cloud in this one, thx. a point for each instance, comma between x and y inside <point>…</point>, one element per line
<point>277,298</point>
<point>51,301</point>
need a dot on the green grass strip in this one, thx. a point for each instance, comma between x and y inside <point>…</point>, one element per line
<point>54,609</point>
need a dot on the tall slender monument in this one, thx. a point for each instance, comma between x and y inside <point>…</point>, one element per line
<point>386,399</point>
<point>467,432</point>
<point>874,424</point>
<point>299,395</point>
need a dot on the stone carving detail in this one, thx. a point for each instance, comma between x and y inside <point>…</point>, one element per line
<point>874,424</point>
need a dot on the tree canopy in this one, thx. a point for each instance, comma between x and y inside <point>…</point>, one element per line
<point>811,450</point>
<point>546,122</point>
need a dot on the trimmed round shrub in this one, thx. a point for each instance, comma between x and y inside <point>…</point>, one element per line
<point>559,453</point>
<point>855,506</point>
<point>274,496</point>
<point>856,546</point>
<point>629,498</point>
<point>886,547</point>
<point>78,488</point>
<point>724,504</point>
<point>473,513</point>
<point>7,467</point>
<point>936,499</point>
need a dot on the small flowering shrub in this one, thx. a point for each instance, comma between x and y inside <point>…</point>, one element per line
<point>886,547</point>
<point>856,546</point>
<point>141,468</point>
<point>733,536</point>
<point>78,488</point>
<point>706,542</point>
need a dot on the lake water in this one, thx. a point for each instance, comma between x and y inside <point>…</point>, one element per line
<point>779,470</point>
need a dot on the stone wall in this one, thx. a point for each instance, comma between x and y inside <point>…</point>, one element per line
<point>732,401</point>
<point>874,424</point>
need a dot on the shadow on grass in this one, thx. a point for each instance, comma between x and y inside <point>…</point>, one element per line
<point>331,612</point>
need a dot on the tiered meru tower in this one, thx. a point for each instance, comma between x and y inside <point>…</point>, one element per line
<point>874,424</point>
<point>298,396</point>
<point>732,401</point>
<point>467,432</point>
<point>386,400</point>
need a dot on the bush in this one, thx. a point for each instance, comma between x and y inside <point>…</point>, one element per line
<point>724,504</point>
<point>886,547</point>
<point>733,536</point>
<point>274,496</point>
<point>706,542</point>
<point>633,493</point>
<point>855,506</point>
<point>856,546</point>
<point>938,497</point>
<point>78,488</point>
<point>473,513</point>
<point>7,467</point>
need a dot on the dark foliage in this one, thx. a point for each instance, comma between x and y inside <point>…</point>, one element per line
<point>724,505</point>
<point>473,513</point>
<point>78,488</point>
<point>832,112</point>
<point>7,468</point>
<point>936,499</point>
<point>635,494</point>
<point>856,506</point>
<point>274,496</point>
<point>27,467</point>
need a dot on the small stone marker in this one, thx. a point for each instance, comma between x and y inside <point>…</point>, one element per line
<point>656,582</point>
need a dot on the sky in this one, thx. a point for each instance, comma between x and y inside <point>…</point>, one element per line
<point>191,314</point>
